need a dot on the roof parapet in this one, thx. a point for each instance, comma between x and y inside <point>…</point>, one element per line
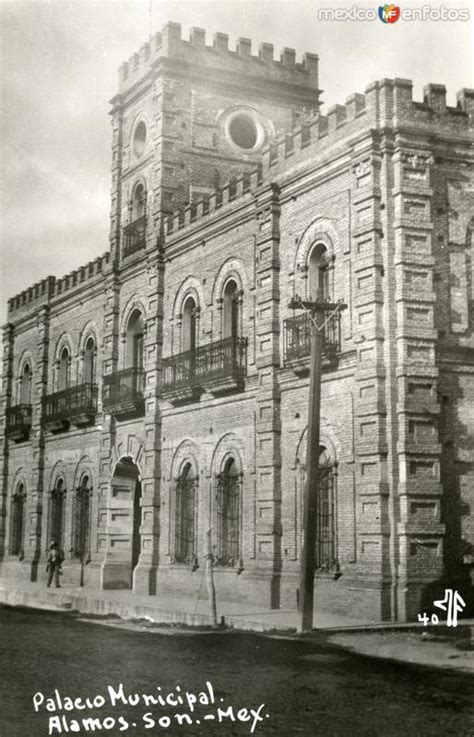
<point>382,100</point>
<point>45,290</point>
<point>169,43</point>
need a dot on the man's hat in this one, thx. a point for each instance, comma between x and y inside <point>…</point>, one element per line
<point>53,545</point>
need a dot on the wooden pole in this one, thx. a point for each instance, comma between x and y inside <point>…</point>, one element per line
<point>312,466</point>
<point>211,590</point>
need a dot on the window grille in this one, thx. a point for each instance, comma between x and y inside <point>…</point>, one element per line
<point>185,533</point>
<point>326,555</point>
<point>17,522</point>
<point>82,510</point>
<point>326,543</point>
<point>57,514</point>
<point>228,515</point>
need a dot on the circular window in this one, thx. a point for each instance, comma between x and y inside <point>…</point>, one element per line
<point>243,131</point>
<point>139,138</point>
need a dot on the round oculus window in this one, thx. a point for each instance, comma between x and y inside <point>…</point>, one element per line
<point>139,138</point>
<point>243,131</point>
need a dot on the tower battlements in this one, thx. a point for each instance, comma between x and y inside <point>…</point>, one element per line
<point>219,57</point>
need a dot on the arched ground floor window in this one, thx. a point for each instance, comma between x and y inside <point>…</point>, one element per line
<point>56,514</point>
<point>81,524</point>
<point>17,522</point>
<point>185,517</point>
<point>228,515</point>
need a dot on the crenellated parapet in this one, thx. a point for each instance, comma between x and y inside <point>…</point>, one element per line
<point>47,289</point>
<point>385,103</point>
<point>218,56</point>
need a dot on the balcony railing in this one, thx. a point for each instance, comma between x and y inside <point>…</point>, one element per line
<point>76,404</point>
<point>220,366</point>
<point>134,236</point>
<point>122,392</point>
<point>18,422</point>
<point>297,337</point>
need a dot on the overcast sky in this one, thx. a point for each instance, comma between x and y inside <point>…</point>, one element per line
<point>59,64</point>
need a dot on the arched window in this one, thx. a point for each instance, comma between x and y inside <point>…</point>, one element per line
<point>326,556</point>
<point>134,341</point>
<point>81,530</point>
<point>318,273</point>
<point>25,388</point>
<point>89,362</point>
<point>138,201</point>
<point>185,513</point>
<point>326,542</point>
<point>17,526</point>
<point>230,310</point>
<point>64,370</point>
<point>189,324</point>
<point>228,515</point>
<point>56,516</point>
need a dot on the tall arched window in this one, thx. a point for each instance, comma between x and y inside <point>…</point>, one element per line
<point>228,515</point>
<point>318,273</point>
<point>134,341</point>
<point>185,513</point>
<point>326,555</point>
<point>230,310</point>
<point>138,201</point>
<point>64,370</point>
<point>17,526</point>
<point>25,388</point>
<point>81,530</point>
<point>89,362</point>
<point>56,517</point>
<point>189,324</point>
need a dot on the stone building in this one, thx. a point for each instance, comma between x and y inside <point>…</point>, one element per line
<point>161,391</point>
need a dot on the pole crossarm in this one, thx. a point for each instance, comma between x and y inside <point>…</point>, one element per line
<point>317,307</point>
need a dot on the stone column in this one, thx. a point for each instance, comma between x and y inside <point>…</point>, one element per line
<point>6,401</point>
<point>144,580</point>
<point>268,424</point>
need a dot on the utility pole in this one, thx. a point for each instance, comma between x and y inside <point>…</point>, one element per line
<point>211,590</point>
<point>319,313</point>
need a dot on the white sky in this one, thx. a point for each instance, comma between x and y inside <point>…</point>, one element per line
<point>59,62</point>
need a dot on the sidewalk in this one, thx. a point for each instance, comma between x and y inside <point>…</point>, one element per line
<point>408,643</point>
<point>127,605</point>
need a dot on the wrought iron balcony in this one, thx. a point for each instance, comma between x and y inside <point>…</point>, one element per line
<point>297,338</point>
<point>76,404</point>
<point>219,367</point>
<point>122,392</point>
<point>134,236</point>
<point>18,422</point>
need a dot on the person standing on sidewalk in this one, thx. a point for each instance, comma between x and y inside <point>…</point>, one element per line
<point>53,565</point>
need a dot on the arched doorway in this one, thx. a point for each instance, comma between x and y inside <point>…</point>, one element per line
<point>124,521</point>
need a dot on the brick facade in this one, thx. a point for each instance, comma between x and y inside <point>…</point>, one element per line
<point>199,426</point>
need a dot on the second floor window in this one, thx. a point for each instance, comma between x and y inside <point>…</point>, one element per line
<point>64,370</point>
<point>25,387</point>
<point>138,202</point>
<point>189,325</point>
<point>134,341</point>
<point>89,362</point>
<point>318,273</point>
<point>230,308</point>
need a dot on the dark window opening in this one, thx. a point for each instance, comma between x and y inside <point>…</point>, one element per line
<point>17,522</point>
<point>185,517</point>
<point>228,515</point>
<point>243,132</point>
